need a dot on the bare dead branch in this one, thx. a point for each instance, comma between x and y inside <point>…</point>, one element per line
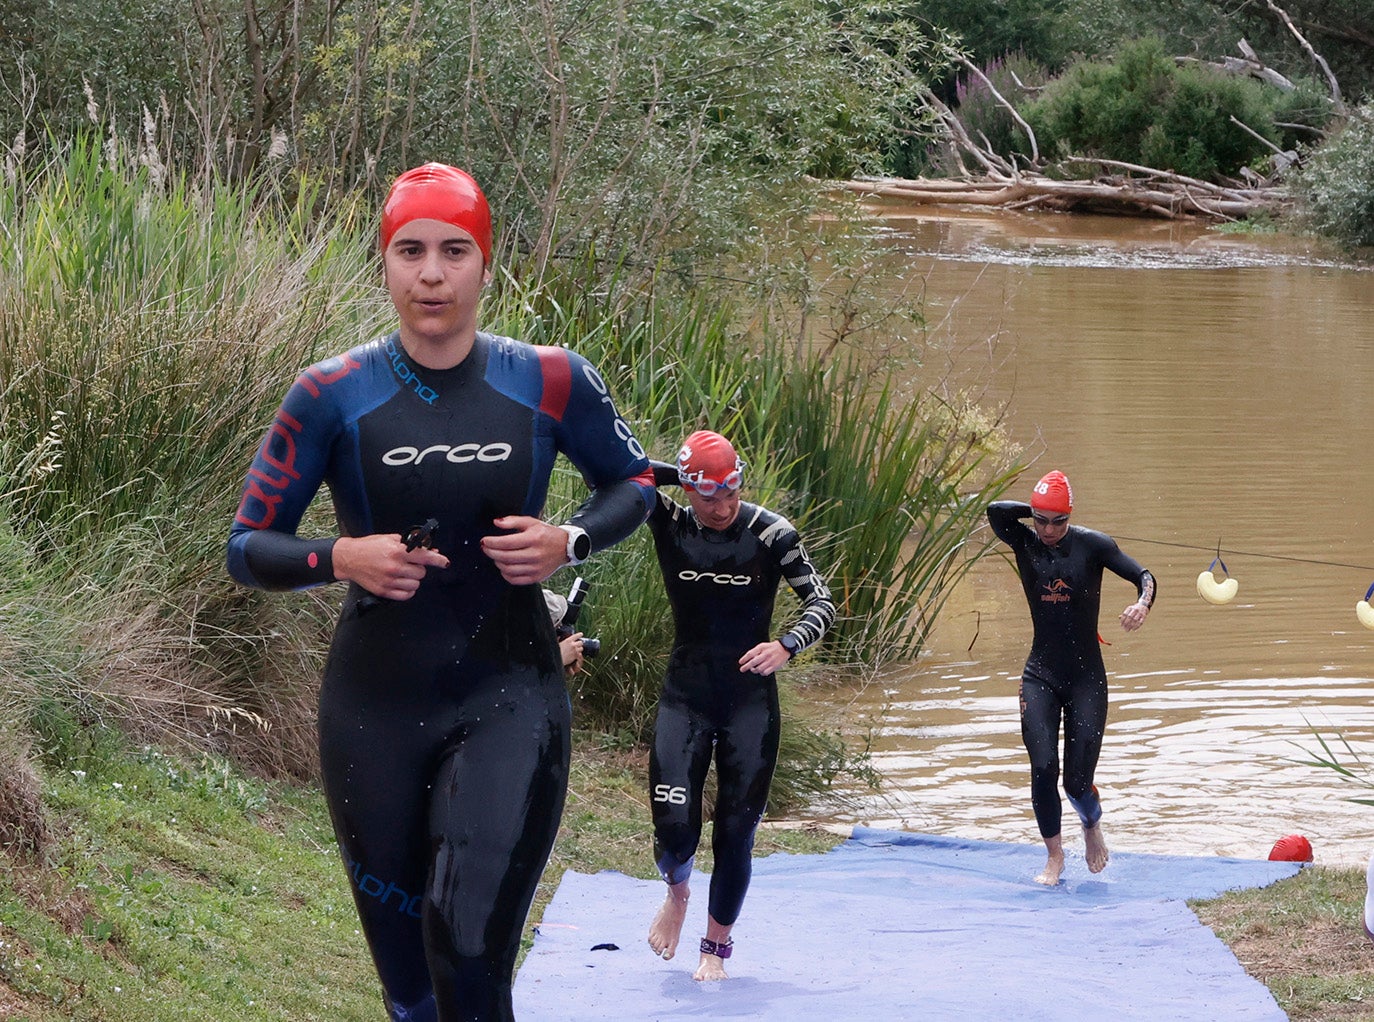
<point>1031,89</point>
<point>1254,134</point>
<point>1153,172</point>
<point>1165,195</point>
<point>1248,68</point>
<point>1336,101</point>
<point>992,163</point>
<point>1035,149</point>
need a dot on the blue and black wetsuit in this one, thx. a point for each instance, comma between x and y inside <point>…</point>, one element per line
<point>1064,676</point>
<point>443,719</point>
<point>722,586</point>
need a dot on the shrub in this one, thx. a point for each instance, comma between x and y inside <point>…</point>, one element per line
<point>147,329</point>
<point>638,126</point>
<point>1144,109</point>
<point>1048,32</point>
<point>1335,184</point>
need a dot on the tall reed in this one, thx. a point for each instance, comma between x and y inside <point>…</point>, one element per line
<point>886,480</point>
<point>885,490</point>
<point>147,329</point>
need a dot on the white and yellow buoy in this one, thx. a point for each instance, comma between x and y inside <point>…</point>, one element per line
<point>1219,592</point>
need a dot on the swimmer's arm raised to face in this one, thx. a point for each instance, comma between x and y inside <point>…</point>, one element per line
<point>1005,517</point>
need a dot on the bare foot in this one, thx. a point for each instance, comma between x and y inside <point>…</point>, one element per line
<point>1095,848</point>
<point>666,928</point>
<point>1054,867</point>
<point>710,969</point>
<point>1054,862</point>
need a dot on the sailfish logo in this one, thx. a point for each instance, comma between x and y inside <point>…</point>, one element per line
<point>1057,591</point>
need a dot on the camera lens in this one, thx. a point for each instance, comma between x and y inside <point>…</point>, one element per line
<point>591,647</point>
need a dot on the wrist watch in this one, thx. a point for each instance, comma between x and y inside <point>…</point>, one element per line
<point>790,644</point>
<point>579,544</point>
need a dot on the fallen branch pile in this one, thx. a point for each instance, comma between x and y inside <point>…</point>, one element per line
<point>1020,182</point>
<point>1131,190</point>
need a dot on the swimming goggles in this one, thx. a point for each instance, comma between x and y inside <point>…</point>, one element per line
<point>707,486</point>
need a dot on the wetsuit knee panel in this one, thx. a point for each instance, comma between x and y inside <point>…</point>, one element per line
<point>674,869</point>
<point>1088,806</point>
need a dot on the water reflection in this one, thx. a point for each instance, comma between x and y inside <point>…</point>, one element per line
<point>1200,391</point>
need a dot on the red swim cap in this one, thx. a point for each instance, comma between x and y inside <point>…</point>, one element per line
<point>436,191</point>
<point>708,462</point>
<point>1291,848</point>
<point>1053,493</point>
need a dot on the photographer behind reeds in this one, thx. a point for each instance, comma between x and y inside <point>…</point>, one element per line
<point>574,646</point>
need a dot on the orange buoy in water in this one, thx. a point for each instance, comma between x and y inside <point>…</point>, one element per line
<point>1291,848</point>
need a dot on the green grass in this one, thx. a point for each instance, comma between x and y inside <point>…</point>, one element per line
<point>175,890</point>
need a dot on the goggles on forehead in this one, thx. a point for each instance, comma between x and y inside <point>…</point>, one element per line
<point>707,486</point>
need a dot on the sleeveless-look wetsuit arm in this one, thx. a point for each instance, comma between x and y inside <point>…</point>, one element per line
<point>1007,520</point>
<point>594,437</point>
<point>664,474</point>
<point>263,550</point>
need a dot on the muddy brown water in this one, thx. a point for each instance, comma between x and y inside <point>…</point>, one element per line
<point>1198,390</point>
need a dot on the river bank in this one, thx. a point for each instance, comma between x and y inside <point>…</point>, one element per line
<point>180,891</point>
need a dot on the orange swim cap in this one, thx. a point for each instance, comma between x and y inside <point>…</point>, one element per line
<point>1053,493</point>
<point>436,191</point>
<point>708,462</point>
<point>1291,848</point>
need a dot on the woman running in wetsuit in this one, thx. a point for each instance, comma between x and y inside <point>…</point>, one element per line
<point>443,716</point>
<point>1061,572</point>
<point>721,560</point>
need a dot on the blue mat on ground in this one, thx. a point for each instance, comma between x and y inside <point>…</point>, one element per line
<point>899,926</point>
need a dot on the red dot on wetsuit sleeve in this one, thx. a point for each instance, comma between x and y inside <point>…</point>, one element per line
<point>313,560</point>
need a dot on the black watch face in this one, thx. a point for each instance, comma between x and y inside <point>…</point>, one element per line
<point>582,547</point>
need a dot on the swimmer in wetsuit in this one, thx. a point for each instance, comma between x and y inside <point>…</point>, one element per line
<point>1061,572</point>
<point>444,717</point>
<point>722,560</point>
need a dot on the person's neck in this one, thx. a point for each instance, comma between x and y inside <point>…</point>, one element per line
<point>439,354</point>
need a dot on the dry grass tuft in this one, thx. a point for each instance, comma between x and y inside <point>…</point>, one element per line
<point>24,832</point>
<point>1303,938</point>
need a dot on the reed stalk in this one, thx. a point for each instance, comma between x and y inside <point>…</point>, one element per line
<point>149,325</point>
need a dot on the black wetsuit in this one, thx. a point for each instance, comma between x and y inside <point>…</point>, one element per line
<point>1064,676</point>
<point>722,586</point>
<point>443,720</point>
